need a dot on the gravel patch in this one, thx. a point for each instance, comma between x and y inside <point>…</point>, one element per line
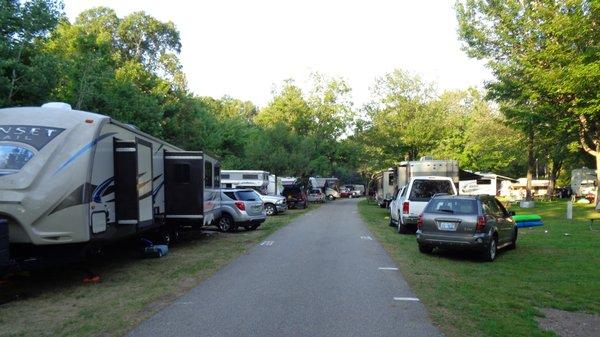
<point>569,324</point>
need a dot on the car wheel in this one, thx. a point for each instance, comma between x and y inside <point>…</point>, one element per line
<point>402,229</point>
<point>425,249</point>
<point>513,242</point>
<point>270,209</point>
<point>330,197</point>
<point>491,250</point>
<point>392,224</point>
<point>226,224</point>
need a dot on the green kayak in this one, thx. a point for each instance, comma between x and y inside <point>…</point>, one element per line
<point>526,217</point>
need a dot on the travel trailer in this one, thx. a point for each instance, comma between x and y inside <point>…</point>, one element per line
<point>385,187</point>
<point>257,180</point>
<point>425,167</point>
<point>72,180</point>
<point>329,186</point>
<point>583,182</point>
<point>488,183</point>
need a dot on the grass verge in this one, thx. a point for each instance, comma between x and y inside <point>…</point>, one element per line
<point>554,266</point>
<point>57,303</point>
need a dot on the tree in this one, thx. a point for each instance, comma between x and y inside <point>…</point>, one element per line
<point>26,75</point>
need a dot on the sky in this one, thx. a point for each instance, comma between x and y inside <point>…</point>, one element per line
<point>245,49</point>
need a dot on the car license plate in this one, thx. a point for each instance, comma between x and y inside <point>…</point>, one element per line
<point>447,226</point>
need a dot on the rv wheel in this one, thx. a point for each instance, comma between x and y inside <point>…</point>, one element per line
<point>226,223</point>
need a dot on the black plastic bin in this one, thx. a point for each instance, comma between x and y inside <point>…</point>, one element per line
<point>4,257</point>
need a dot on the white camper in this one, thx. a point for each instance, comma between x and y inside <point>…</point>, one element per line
<point>75,179</point>
<point>275,185</point>
<point>329,186</point>
<point>583,182</point>
<point>488,183</point>
<point>257,180</point>
<point>385,187</point>
<point>425,167</point>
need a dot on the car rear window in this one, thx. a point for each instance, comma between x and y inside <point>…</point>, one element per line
<point>423,190</point>
<point>452,206</point>
<point>248,196</point>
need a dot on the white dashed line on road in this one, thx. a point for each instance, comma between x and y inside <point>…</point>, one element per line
<point>412,299</point>
<point>266,243</point>
<point>366,237</point>
<point>388,268</point>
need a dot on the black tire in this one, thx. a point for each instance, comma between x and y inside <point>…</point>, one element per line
<point>330,197</point>
<point>391,224</point>
<point>425,249</point>
<point>252,227</point>
<point>513,242</point>
<point>226,224</point>
<point>491,250</point>
<point>402,228</point>
<point>270,209</point>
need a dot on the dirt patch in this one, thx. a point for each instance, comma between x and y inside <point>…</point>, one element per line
<point>570,324</point>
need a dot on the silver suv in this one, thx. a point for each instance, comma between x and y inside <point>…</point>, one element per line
<point>241,208</point>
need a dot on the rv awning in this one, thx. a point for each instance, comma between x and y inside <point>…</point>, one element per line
<point>468,175</point>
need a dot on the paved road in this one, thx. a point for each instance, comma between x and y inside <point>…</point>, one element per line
<point>318,276</point>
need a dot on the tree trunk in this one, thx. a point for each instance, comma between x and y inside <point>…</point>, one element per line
<point>530,164</point>
<point>554,172</point>
<point>586,135</point>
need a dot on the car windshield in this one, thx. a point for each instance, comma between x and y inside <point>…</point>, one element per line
<point>248,196</point>
<point>452,206</point>
<point>423,190</point>
<point>13,157</point>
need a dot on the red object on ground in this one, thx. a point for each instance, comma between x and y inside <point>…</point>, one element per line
<point>91,279</point>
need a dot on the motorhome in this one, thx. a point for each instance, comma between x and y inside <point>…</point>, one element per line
<point>275,185</point>
<point>71,180</point>
<point>583,182</point>
<point>257,180</point>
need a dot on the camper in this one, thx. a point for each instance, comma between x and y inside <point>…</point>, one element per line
<point>488,183</point>
<point>425,167</point>
<point>71,180</point>
<point>257,180</point>
<point>275,185</point>
<point>329,186</point>
<point>384,188</point>
<point>583,182</point>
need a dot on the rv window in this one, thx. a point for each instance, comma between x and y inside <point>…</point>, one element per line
<point>484,182</point>
<point>249,176</point>
<point>182,173</point>
<point>13,157</point>
<point>217,182</point>
<point>208,174</point>
<point>224,175</point>
<point>391,179</point>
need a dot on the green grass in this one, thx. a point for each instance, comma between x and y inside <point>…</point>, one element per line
<point>57,303</point>
<point>467,297</point>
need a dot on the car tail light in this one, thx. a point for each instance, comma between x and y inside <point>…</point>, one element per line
<point>481,222</point>
<point>240,205</point>
<point>405,206</point>
<point>420,221</point>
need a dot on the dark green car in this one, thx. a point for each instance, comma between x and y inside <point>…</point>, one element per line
<point>478,222</point>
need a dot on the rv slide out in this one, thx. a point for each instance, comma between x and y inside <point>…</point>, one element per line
<point>76,179</point>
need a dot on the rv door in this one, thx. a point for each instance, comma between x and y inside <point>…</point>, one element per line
<point>184,185</point>
<point>126,180</point>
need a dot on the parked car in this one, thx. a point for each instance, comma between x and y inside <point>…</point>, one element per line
<point>332,194</point>
<point>345,193</point>
<point>315,195</point>
<point>417,194</point>
<point>274,204</point>
<point>294,196</point>
<point>396,206</point>
<point>477,222</point>
<point>241,208</point>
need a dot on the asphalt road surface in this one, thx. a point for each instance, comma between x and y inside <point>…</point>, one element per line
<point>321,275</point>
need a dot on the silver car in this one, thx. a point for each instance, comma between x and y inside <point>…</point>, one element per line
<point>241,208</point>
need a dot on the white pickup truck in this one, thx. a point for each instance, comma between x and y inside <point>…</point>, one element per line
<point>410,201</point>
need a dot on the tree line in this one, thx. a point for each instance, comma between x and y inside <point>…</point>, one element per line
<point>129,68</point>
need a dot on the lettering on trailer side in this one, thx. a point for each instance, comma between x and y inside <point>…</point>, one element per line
<point>36,136</point>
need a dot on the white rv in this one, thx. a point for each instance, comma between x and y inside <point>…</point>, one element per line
<point>75,179</point>
<point>258,180</point>
<point>275,185</point>
<point>583,182</point>
<point>385,187</point>
<point>488,183</point>
<point>329,186</point>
